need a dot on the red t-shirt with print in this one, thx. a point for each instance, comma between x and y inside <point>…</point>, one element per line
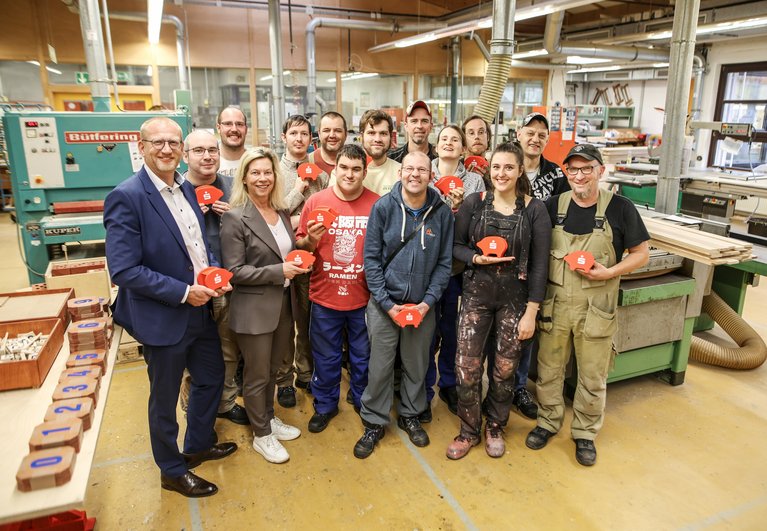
<point>338,278</point>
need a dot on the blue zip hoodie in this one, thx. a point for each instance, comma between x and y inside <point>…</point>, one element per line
<point>421,270</point>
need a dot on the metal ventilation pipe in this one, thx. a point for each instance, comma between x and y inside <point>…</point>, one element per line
<point>501,48</point>
<point>93,41</point>
<point>278,85</point>
<point>370,25</point>
<point>553,45</point>
<point>521,64</point>
<point>677,95</point>
<point>699,69</point>
<point>455,52</point>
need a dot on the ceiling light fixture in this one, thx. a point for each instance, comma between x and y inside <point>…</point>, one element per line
<point>267,78</point>
<point>719,27</point>
<point>523,13</point>
<point>531,53</point>
<point>154,20</point>
<point>48,68</point>
<point>595,69</point>
<point>578,60</point>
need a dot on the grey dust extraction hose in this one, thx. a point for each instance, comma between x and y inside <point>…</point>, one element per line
<point>496,78</point>
<point>751,351</point>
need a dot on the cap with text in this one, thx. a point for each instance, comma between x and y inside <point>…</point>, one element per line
<point>535,116</point>
<point>586,151</point>
<point>417,104</point>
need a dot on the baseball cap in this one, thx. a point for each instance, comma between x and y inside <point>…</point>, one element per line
<point>535,116</point>
<point>586,151</point>
<point>417,104</point>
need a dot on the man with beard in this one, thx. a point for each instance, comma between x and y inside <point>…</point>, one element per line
<point>382,172</point>
<point>232,127</point>
<point>478,136</point>
<point>417,126</point>
<point>332,133</point>
<point>578,311</point>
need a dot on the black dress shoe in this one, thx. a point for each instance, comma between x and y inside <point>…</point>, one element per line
<point>217,451</point>
<point>449,396</point>
<point>320,421</point>
<point>425,416</point>
<point>524,402</point>
<point>237,414</point>
<point>188,485</point>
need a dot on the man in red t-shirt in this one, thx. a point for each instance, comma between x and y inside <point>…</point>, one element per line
<point>337,287</point>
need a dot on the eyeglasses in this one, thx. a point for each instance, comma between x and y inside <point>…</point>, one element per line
<point>586,170</point>
<point>233,124</point>
<point>409,170</point>
<point>160,144</point>
<point>200,151</point>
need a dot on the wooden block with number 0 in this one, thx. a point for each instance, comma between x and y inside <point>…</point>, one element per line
<point>46,468</point>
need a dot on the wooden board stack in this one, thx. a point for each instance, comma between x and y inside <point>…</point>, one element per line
<point>55,442</point>
<point>700,246</point>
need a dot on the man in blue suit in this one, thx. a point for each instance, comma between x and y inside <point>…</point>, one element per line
<point>156,246</point>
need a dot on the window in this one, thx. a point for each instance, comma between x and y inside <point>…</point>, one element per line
<point>742,98</point>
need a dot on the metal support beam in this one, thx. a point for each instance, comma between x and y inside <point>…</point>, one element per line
<point>278,85</point>
<point>455,51</point>
<point>93,41</point>
<point>677,100</point>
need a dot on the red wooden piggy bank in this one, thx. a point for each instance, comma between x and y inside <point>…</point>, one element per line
<point>308,170</point>
<point>479,162</point>
<point>493,246</point>
<point>580,260</point>
<point>448,183</point>
<point>408,316</point>
<point>302,259</point>
<point>207,194</point>
<point>323,215</point>
<point>214,277</point>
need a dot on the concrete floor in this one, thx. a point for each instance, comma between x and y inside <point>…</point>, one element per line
<point>688,457</point>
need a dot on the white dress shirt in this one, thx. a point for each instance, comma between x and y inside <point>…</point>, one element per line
<point>186,220</point>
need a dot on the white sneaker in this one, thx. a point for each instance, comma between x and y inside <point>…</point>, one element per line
<point>270,448</point>
<point>282,431</point>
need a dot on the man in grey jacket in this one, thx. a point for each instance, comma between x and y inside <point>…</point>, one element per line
<point>408,254</point>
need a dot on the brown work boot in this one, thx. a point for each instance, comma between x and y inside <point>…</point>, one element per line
<point>495,446</point>
<point>460,447</point>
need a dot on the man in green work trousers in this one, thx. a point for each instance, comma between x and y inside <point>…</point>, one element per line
<point>580,305</point>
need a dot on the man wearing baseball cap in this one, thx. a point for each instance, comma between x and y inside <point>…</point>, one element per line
<point>418,125</point>
<point>580,305</point>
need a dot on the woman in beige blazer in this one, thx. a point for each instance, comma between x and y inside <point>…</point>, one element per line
<point>255,238</point>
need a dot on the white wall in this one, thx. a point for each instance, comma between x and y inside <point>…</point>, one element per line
<point>647,96</point>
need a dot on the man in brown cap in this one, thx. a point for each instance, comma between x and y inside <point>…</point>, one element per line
<point>418,125</point>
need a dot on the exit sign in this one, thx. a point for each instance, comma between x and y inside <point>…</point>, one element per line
<point>81,78</point>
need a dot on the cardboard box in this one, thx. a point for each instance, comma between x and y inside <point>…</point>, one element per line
<point>31,373</point>
<point>86,277</point>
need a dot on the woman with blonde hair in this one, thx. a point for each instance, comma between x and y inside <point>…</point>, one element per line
<point>256,236</point>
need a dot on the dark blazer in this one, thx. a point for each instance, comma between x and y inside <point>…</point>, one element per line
<point>250,252</point>
<point>148,260</point>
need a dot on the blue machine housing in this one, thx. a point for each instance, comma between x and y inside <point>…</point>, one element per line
<point>65,157</point>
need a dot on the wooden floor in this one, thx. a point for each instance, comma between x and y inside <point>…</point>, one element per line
<point>689,457</point>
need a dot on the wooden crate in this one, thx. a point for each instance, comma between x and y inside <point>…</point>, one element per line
<point>94,282</point>
<point>129,349</point>
<point>31,373</point>
<point>34,305</point>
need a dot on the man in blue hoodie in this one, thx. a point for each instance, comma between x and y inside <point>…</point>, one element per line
<point>408,254</point>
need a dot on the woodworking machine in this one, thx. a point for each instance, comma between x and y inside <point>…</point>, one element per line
<point>63,165</point>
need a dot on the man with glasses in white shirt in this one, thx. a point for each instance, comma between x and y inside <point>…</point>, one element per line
<point>156,246</point>
<point>232,127</point>
<point>202,156</point>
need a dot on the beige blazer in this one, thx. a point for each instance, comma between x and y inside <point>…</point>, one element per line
<point>250,252</point>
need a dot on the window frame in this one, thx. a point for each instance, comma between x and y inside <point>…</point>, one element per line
<point>726,70</point>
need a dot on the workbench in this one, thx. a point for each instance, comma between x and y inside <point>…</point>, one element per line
<point>24,409</point>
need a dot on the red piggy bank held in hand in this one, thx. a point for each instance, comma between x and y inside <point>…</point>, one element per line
<point>302,259</point>
<point>408,316</point>
<point>493,246</point>
<point>583,260</point>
